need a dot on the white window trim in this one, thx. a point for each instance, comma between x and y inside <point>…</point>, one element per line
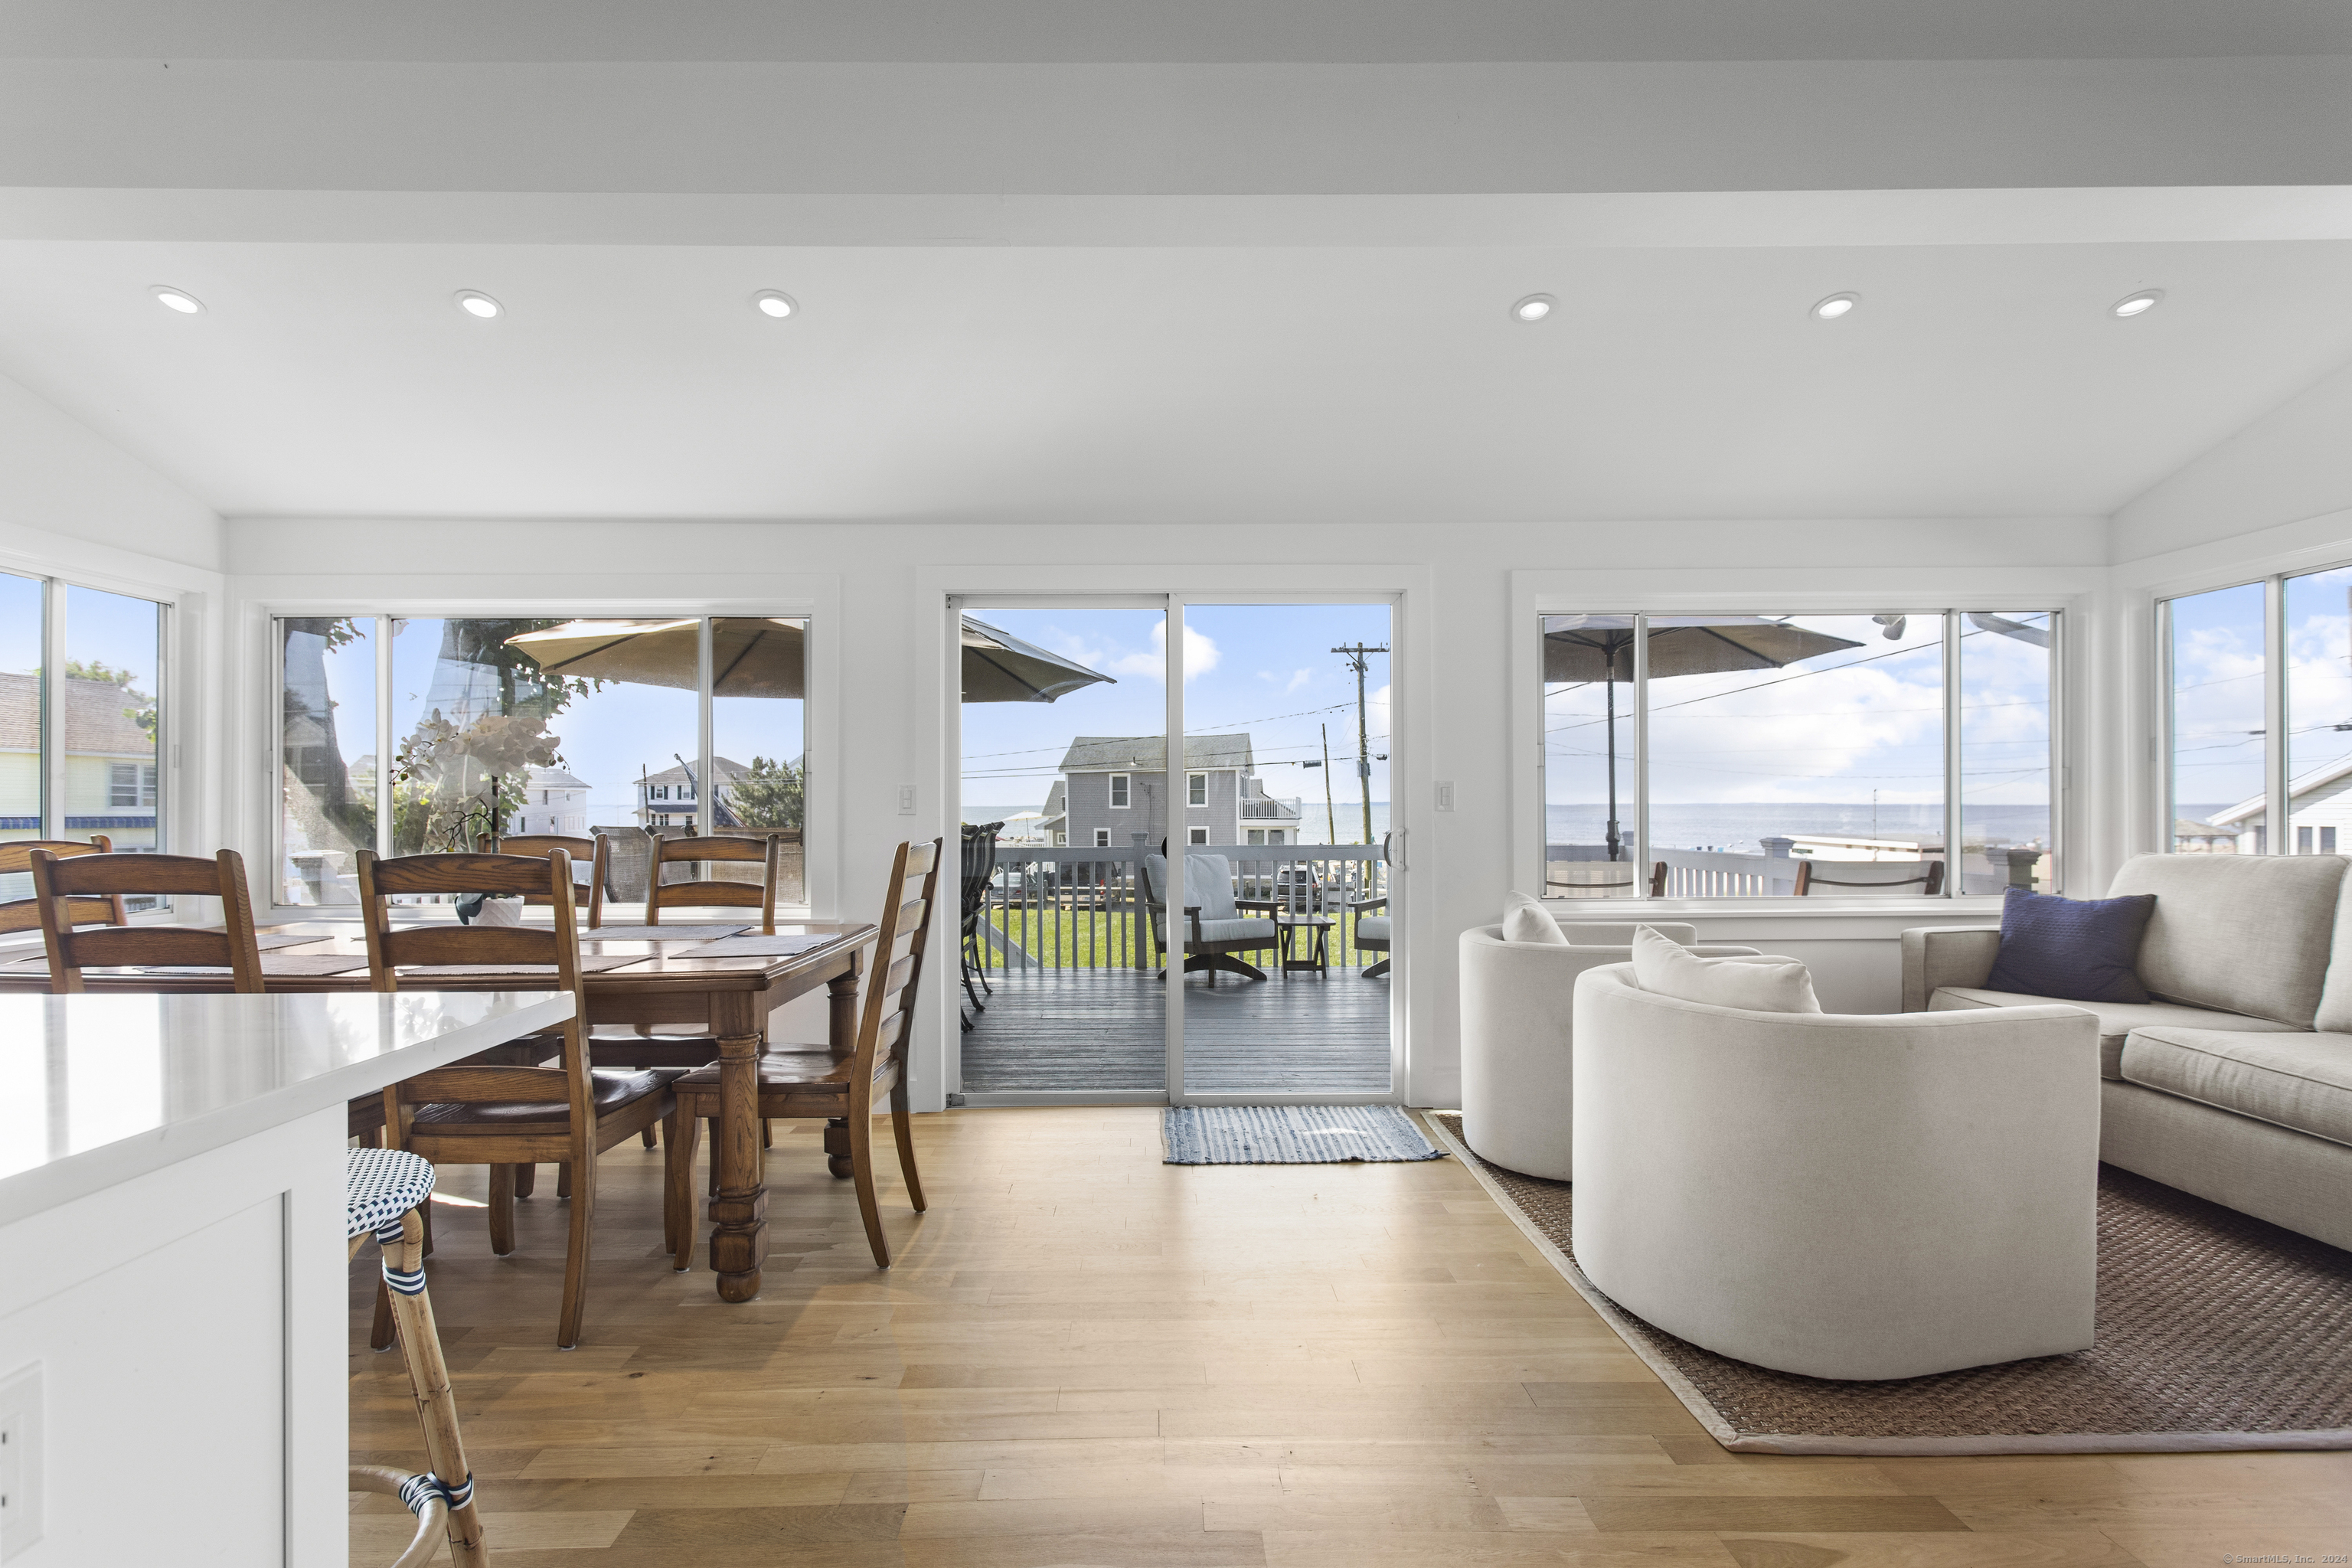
<point>1120,785</point>
<point>1190,838</point>
<point>1201,780</point>
<point>2073,592</point>
<point>1102,838</point>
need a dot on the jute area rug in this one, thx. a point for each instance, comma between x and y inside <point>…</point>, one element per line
<point>2216,1331</point>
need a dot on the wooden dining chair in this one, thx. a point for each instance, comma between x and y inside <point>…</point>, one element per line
<point>597,852</point>
<point>24,914</point>
<point>476,1113</point>
<point>842,1091</point>
<point>767,848</point>
<point>63,887</point>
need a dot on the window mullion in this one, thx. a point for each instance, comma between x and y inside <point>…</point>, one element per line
<point>1641,856</point>
<point>53,709</point>
<point>1954,850</point>
<point>705,789</point>
<point>384,735</point>
<point>2276,806</point>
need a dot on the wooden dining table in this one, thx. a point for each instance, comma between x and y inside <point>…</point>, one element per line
<point>681,973</point>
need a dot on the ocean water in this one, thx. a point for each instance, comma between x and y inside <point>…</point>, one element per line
<point>1740,829</point>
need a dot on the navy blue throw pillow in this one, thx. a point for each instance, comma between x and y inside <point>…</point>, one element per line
<point>2078,949</point>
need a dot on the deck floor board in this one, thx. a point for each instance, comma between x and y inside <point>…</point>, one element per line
<point>1076,1030</point>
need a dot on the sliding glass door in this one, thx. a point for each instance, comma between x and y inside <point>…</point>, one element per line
<point>1209,921</point>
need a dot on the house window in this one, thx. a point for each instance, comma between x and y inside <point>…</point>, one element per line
<point>1257,835</point>
<point>1273,836</point>
<point>1914,746</point>
<point>2243,747</point>
<point>1198,836</point>
<point>1196,791</point>
<point>130,784</point>
<point>1102,838</point>
<point>1118,792</point>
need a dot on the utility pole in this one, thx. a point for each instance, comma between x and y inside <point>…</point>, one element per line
<point>1330,812</point>
<point>1358,657</point>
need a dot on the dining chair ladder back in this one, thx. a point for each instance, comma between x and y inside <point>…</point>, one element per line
<point>61,885</point>
<point>809,1085</point>
<point>24,914</point>
<point>708,893</point>
<point>504,1114</point>
<point>597,852</point>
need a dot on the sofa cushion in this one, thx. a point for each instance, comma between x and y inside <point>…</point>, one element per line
<point>2245,933</point>
<point>2335,1015</point>
<point>2076,949</point>
<point>2299,1081</point>
<point>1753,985</point>
<point>1524,919</point>
<point>2116,1020</point>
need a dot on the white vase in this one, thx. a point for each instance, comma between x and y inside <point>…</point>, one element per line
<point>499,912</point>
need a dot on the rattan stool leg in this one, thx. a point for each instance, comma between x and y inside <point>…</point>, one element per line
<point>428,1380</point>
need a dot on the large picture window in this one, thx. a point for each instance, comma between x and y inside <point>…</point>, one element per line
<point>1776,755</point>
<point>81,717</point>
<point>2247,748</point>
<point>417,735</point>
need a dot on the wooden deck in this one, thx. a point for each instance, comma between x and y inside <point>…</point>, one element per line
<point>1104,1030</point>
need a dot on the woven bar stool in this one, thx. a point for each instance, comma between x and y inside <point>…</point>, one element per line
<point>384,1189</point>
<point>425,1500</point>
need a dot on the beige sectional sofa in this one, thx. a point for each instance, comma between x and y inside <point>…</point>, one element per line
<point>2235,1083</point>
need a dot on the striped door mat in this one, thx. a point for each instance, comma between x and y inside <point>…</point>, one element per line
<point>1290,1135</point>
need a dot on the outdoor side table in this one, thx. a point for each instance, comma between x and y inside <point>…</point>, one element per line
<point>1310,932</point>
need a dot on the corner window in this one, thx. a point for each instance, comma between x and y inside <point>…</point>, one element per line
<point>80,736</point>
<point>1118,792</point>
<point>1902,752</point>
<point>2245,751</point>
<point>1196,792</point>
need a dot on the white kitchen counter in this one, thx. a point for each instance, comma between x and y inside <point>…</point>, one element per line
<point>173,1271</point>
<point>98,1090</point>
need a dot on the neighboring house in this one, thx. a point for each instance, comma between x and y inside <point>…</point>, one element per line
<point>1053,827</point>
<point>2192,838</point>
<point>1110,794</point>
<point>666,799</point>
<point>2319,815</point>
<point>109,775</point>
<point>555,801</point>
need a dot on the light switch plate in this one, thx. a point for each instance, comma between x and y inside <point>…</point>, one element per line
<point>20,1461</point>
<point>1445,794</point>
<point>905,800</point>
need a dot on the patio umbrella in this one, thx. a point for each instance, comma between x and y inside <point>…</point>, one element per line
<point>1581,648</point>
<point>756,656</point>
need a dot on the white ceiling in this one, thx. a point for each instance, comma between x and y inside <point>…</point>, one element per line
<point>1141,385</point>
<point>1195,31</point>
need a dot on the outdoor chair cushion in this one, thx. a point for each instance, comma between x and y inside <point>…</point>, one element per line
<point>1234,931</point>
<point>614,1090</point>
<point>2116,1020</point>
<point>2246,933</point>
<point>1372,929</point>
<point>2303,1082</point>
<point>1208,884</point>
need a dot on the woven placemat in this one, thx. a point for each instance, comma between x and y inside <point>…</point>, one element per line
<point>2216,1331</point>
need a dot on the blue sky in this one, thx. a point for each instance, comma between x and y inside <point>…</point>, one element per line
<point>1267,669</point>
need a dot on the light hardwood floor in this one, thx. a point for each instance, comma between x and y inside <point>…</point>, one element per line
<point>1086,1357</point>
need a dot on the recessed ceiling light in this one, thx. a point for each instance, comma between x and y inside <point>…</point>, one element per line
<point>479,305</point>
<point>774,302</point>
<point>1533,309</point>
<point>178,299</point>
<point>2139,304</point>
<point>1836,305</point>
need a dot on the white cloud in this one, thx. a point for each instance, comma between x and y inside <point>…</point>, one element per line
<point>1200,656</point>
<point>1301,678</point>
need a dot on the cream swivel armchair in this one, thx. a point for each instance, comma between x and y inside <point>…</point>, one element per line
<point>1842,1197</point>
<point>1516,1001</point>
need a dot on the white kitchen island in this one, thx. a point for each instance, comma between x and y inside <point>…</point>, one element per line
<point>173,1342</point>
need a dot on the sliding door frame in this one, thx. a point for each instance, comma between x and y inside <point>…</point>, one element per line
<point>948,591</point>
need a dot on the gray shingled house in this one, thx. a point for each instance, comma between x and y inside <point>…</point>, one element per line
<point>1111,794</point>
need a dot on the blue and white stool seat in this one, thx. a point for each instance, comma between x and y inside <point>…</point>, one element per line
<point>378,1186</point>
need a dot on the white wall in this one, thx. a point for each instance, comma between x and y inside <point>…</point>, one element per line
<point>1463,864</point>
<point>74,505</point>
<point>2294,463</point>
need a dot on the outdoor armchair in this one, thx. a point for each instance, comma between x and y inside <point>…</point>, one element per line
<point>1216,928</point>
